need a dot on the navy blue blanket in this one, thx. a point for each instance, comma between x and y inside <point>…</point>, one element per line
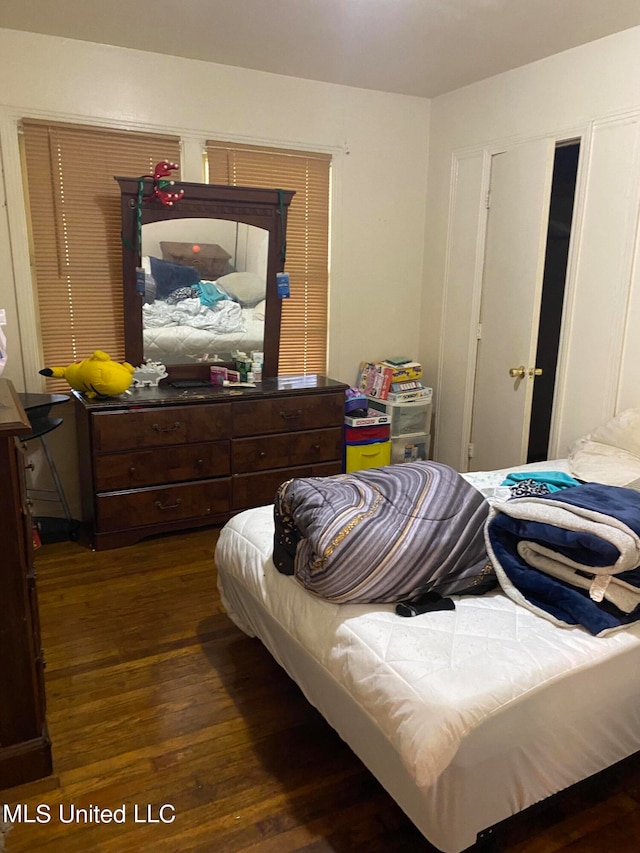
<point>572,556</point>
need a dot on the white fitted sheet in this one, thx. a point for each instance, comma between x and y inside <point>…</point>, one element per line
<point>465,716</point>
<point>184,343</point>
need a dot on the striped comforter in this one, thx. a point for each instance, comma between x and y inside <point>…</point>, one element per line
<point>383,534</point>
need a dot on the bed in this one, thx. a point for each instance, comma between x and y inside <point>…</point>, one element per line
<point>180,340</point>
<point>189,317</point>
<point>465,716</point>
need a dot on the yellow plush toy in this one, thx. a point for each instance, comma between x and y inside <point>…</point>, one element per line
<point>95,376</point>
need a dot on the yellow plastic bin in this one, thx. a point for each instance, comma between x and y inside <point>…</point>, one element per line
<point>360,456</point>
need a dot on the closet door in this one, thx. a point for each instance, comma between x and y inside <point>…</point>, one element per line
<point>510,304</point>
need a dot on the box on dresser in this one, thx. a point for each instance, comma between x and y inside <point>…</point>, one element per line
<point>162,459</point>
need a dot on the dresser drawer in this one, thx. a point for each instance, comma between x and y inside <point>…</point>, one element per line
<point>287,414</point>
<point>124,510</point>
<point>260,489</point>
<point>162,465</point>
<point>142,428</point>
<point>285,450</point>
<point>165,459</point>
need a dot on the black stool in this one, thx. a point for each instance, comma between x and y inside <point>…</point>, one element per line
<point>37,408</point>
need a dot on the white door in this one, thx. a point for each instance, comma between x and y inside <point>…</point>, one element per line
<point>510,304</point>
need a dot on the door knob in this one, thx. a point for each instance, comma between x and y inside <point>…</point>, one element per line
<point>535,371</point>
<point>517,372</point>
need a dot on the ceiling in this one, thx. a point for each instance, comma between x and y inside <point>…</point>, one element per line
<point>413,47</point>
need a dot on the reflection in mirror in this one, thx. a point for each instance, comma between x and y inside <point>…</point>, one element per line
<point>204,289</point>
<point>217,237</point>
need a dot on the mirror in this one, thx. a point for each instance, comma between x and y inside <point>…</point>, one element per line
<point>200,275</point>
<point>205,290</point>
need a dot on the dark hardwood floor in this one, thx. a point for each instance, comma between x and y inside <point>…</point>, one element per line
<point>154,698</point>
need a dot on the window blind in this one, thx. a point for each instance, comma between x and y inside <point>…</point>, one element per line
<point>74,206</point>
<point>303,336</point>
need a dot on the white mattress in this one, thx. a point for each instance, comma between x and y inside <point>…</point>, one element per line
<point>465,716</point>
<point>185,343</point>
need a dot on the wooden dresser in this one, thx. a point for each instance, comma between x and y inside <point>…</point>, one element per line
<point>25,751</point>
<point>162,459</point>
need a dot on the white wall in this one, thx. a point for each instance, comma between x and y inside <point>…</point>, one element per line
<point>582,91</point>
<point>382,300</point>
<point>379,143</point>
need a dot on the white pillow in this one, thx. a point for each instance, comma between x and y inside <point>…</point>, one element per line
<point>247,287</point>
<point>611,453</point>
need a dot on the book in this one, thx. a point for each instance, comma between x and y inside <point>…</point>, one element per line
<point>397,360</point>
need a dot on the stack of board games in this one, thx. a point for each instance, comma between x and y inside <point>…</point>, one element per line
<point>398,380</point>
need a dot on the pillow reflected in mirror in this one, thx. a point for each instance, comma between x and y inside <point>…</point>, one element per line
<point>170,276</point>
<point>248,288</point>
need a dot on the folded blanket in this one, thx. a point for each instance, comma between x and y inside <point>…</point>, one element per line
<point>573,557</point>
<point>383,534</point>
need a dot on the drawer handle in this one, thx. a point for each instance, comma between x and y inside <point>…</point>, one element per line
<point>262,454</point>
<point>162,506</point>
<point>287,416</point>
<point>199,462</point>
<point>132,470</point>
<point>159,428</point>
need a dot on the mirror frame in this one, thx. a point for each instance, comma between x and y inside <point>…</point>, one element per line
<point>250,205</point>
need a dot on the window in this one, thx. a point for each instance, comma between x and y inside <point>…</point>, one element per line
<point>303,337</point>
<point>74,205</point>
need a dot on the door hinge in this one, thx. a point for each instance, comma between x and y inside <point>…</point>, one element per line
<point>479,332</point>
<point>470,449</point>
<point>487,201</point>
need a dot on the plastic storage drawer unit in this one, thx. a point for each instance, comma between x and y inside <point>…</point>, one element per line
<point>406,418</point>
<point>410,448</point>
<point>360,456</point>
<point>367,434</point>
